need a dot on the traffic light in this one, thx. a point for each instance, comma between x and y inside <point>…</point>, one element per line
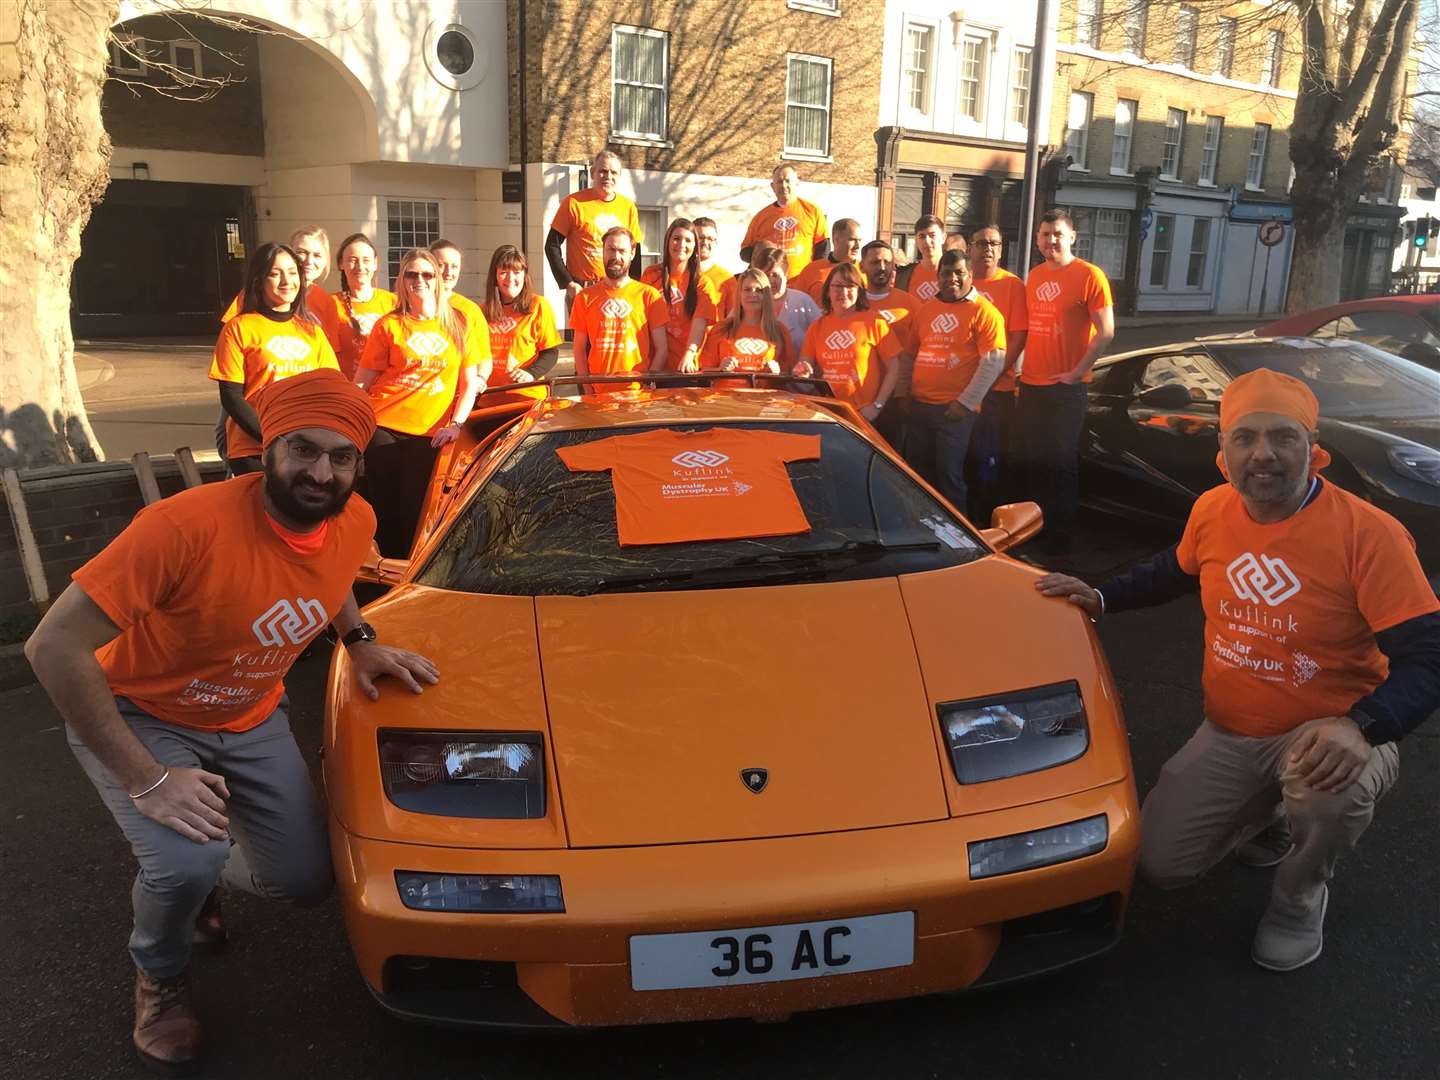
<point>1425,230</point>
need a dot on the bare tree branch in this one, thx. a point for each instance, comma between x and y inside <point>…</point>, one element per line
<point>1377,48</point>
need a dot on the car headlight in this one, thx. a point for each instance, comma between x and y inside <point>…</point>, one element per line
<point>494,893</point>
<point>1416,463</point>
<point>464,774</point>
<point>1043,847</point>
<point>1015,733</point>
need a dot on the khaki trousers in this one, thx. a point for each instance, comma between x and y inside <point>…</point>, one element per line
<point>1221,788</point>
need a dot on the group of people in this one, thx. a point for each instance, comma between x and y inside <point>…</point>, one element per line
<point>975,376</point>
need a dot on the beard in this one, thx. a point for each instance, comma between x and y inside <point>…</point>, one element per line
<point>305,502</point>
<point>616,270</point>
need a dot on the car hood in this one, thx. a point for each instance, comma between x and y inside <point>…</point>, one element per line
<point>661,704</point>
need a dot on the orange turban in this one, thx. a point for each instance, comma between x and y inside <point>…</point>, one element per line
<point>322,398</point>
<point>1266,391</point>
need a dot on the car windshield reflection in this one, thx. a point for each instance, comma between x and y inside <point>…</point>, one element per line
<point>1350,379</point>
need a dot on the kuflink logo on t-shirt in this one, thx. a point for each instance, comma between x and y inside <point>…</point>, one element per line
<point>945,323</point>
<point>700,459</point>
<point>840,339</point>
<point>889,316</point>
<point>749,346</point>
<point>288,622</point>
<point>1261,579</point>
<point>927,290</point>
<point>288,349</point>
<point>786,226</point>
<point>615,309</point>
<point>427,343</point>
<point>1048,291</point>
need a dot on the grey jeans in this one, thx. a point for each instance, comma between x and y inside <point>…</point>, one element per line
<point>278,847</point>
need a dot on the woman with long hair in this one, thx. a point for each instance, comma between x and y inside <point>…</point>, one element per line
<point>273,337</point>
<point>423,367</point>
<point>751,339</point>
<point>691,298</point>
<point>523,337</point>
<point>359,304</point>
<point>850,346</point>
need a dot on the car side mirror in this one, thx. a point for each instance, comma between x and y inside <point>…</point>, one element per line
<point>380,571</point>
<point>1169,396</point>
<point>1013,524</point>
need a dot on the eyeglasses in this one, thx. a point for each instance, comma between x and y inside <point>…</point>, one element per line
<point>988,243</point>
<point>342,458</point>
<point>419,275</point>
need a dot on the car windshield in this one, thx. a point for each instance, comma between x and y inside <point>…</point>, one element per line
<point>1350,379</point>
<point>537,528</point>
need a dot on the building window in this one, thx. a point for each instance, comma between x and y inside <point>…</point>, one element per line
<point>652,230</point>
<point>912,198</point>
<point>1100,238</point>
<point>1259,143</point>
<point>1174,143</point>
<point>1160,251</point>
<point>185,59</point>
<point>1020,88</point>
<point>824,7</point>
<point>1137,15</point>
<point>1088,16</point>
<point>967,205</point>
<point>807,105</point>
<point>408,224</point>
<point>1274,51</point>
<point>1077,129</point>
<point>127,55</point>
<point>1187,29</point>
<point>1125,111</point>
<point>973,52</point>
<point>1199,252</point>
<point>1210,150</point>
<point>915,78</point>
<point>639,77</point>
<point>1225,46</point>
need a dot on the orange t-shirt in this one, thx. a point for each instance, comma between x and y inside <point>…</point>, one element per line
<point>896,307</point>
<point>677,486</point>
<point>1292,608</point>
<point>317,303</point>
<point>949,341</point>
<point>213,607</point>
<point>353,332</point>
<point>254,350</point>
<point>845,346</point>
<point>677,330</point>
<point>796,228</point>
<point>478,348</point>
<point>924,283</point>
<point>716,275</point>
<point>748,347</point>
<point>419,372</point>
<point>811,280</point>
<point>583,219</point>
<point>1007,293</point>
<point>1060,304</point>
<point>617,325</point>
<point>516,339</point>
<point>729,294</point>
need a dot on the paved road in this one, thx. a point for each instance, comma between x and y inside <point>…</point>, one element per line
<point>1179,997</point>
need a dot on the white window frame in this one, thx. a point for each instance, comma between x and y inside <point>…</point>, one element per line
<point>1255,177</point>
<point>1022,58</point>
<point>1120,162</point>
<point>664,86</point>
<point>803,152</point>
<point>651,256</point>
<point>1187,36</point>
<point>1156,251</point>
<point>1210,150</point>
<point>1198,226</point>
<point>1080,161</point>
<point>195,49</point>
<point>126,55</point>
<point>1227,27</point>
<point>927,93</point>
<point>1136,25</point>
<point>985,43</point>
<point>817,7</point>
<point>1171,170</point>
<point>405,211</point>
<point>1274,58</point>
<point>1088,22</point>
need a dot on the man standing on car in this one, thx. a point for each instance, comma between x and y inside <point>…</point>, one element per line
<point>790,223</point>
<point>1322,650</point>
<point>619,323</point>
<point>992,446</point>
<point>167,656</point>
<point>1072,322</point>
<point>581,223</point>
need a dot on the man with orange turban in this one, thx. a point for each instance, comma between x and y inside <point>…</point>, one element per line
<point>1322,650</point>
<point>166,657</point>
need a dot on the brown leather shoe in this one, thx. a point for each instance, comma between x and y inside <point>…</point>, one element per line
<point>167,1034</point>
<point>210,932</point>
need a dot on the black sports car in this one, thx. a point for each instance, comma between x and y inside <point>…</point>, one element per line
<point>1150,438</point>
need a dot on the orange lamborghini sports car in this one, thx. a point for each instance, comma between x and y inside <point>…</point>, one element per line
<point>737,718</point>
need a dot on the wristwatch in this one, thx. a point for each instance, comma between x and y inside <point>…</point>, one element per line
<point>363,632</point>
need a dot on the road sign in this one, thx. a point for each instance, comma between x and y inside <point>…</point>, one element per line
<point>1147,218</point>
<point>1272,232</point>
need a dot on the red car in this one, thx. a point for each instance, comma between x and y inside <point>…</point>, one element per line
<point>1407,326</point>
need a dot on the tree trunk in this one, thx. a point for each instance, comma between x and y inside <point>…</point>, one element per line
<point>54,165</point>
<point>1315,268</point>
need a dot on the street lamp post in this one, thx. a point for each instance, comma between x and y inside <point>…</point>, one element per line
<point>1041,57</point>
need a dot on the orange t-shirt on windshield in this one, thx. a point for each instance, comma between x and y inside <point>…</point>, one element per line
<point>1292,608</point>
<point>1007,293</point>
<point>1059,304</point>
<point>255,350</point>
<point>795,228</point>
<point>583,219</point>
<point>354,331</point>
<point>672,487</point>
<point>617,325</point>
<point>213,606</point>
<point>419,371</point>
<point>677,330</point>
<point>949,341</point>
<point>847,349</point>
<point>317,303</point>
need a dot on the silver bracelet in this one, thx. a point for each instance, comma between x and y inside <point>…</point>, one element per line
<point>141,794</point>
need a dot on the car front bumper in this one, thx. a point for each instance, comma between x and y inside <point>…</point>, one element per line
<point>572,968</point>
